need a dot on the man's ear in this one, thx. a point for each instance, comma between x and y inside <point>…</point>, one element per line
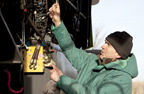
<point>118,56</point>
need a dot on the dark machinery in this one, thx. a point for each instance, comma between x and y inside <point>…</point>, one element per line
<point>26,36</point>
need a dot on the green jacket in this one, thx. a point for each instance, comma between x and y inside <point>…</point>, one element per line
<point>113,78</point>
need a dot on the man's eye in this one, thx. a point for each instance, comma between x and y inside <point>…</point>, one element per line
<point>107,43</point>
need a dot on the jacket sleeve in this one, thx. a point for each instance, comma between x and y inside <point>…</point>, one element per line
<point>71,86</point>
<point>75,56</point>
<point>118,84</point>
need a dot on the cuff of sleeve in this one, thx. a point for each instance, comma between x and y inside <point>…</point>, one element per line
<point>64,83</point>
<point>53,28</point>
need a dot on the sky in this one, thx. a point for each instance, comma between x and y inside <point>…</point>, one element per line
<point>120,15</point>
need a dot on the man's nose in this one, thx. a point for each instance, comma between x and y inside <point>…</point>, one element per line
<point>103,46</point>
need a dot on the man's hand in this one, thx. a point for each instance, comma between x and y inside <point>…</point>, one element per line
<point>55,73</point>
<point>54,13</point>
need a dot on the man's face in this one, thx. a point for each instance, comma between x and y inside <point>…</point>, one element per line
<point>108,51</point>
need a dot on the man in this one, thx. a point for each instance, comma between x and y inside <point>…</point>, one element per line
<point>111,72</point>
